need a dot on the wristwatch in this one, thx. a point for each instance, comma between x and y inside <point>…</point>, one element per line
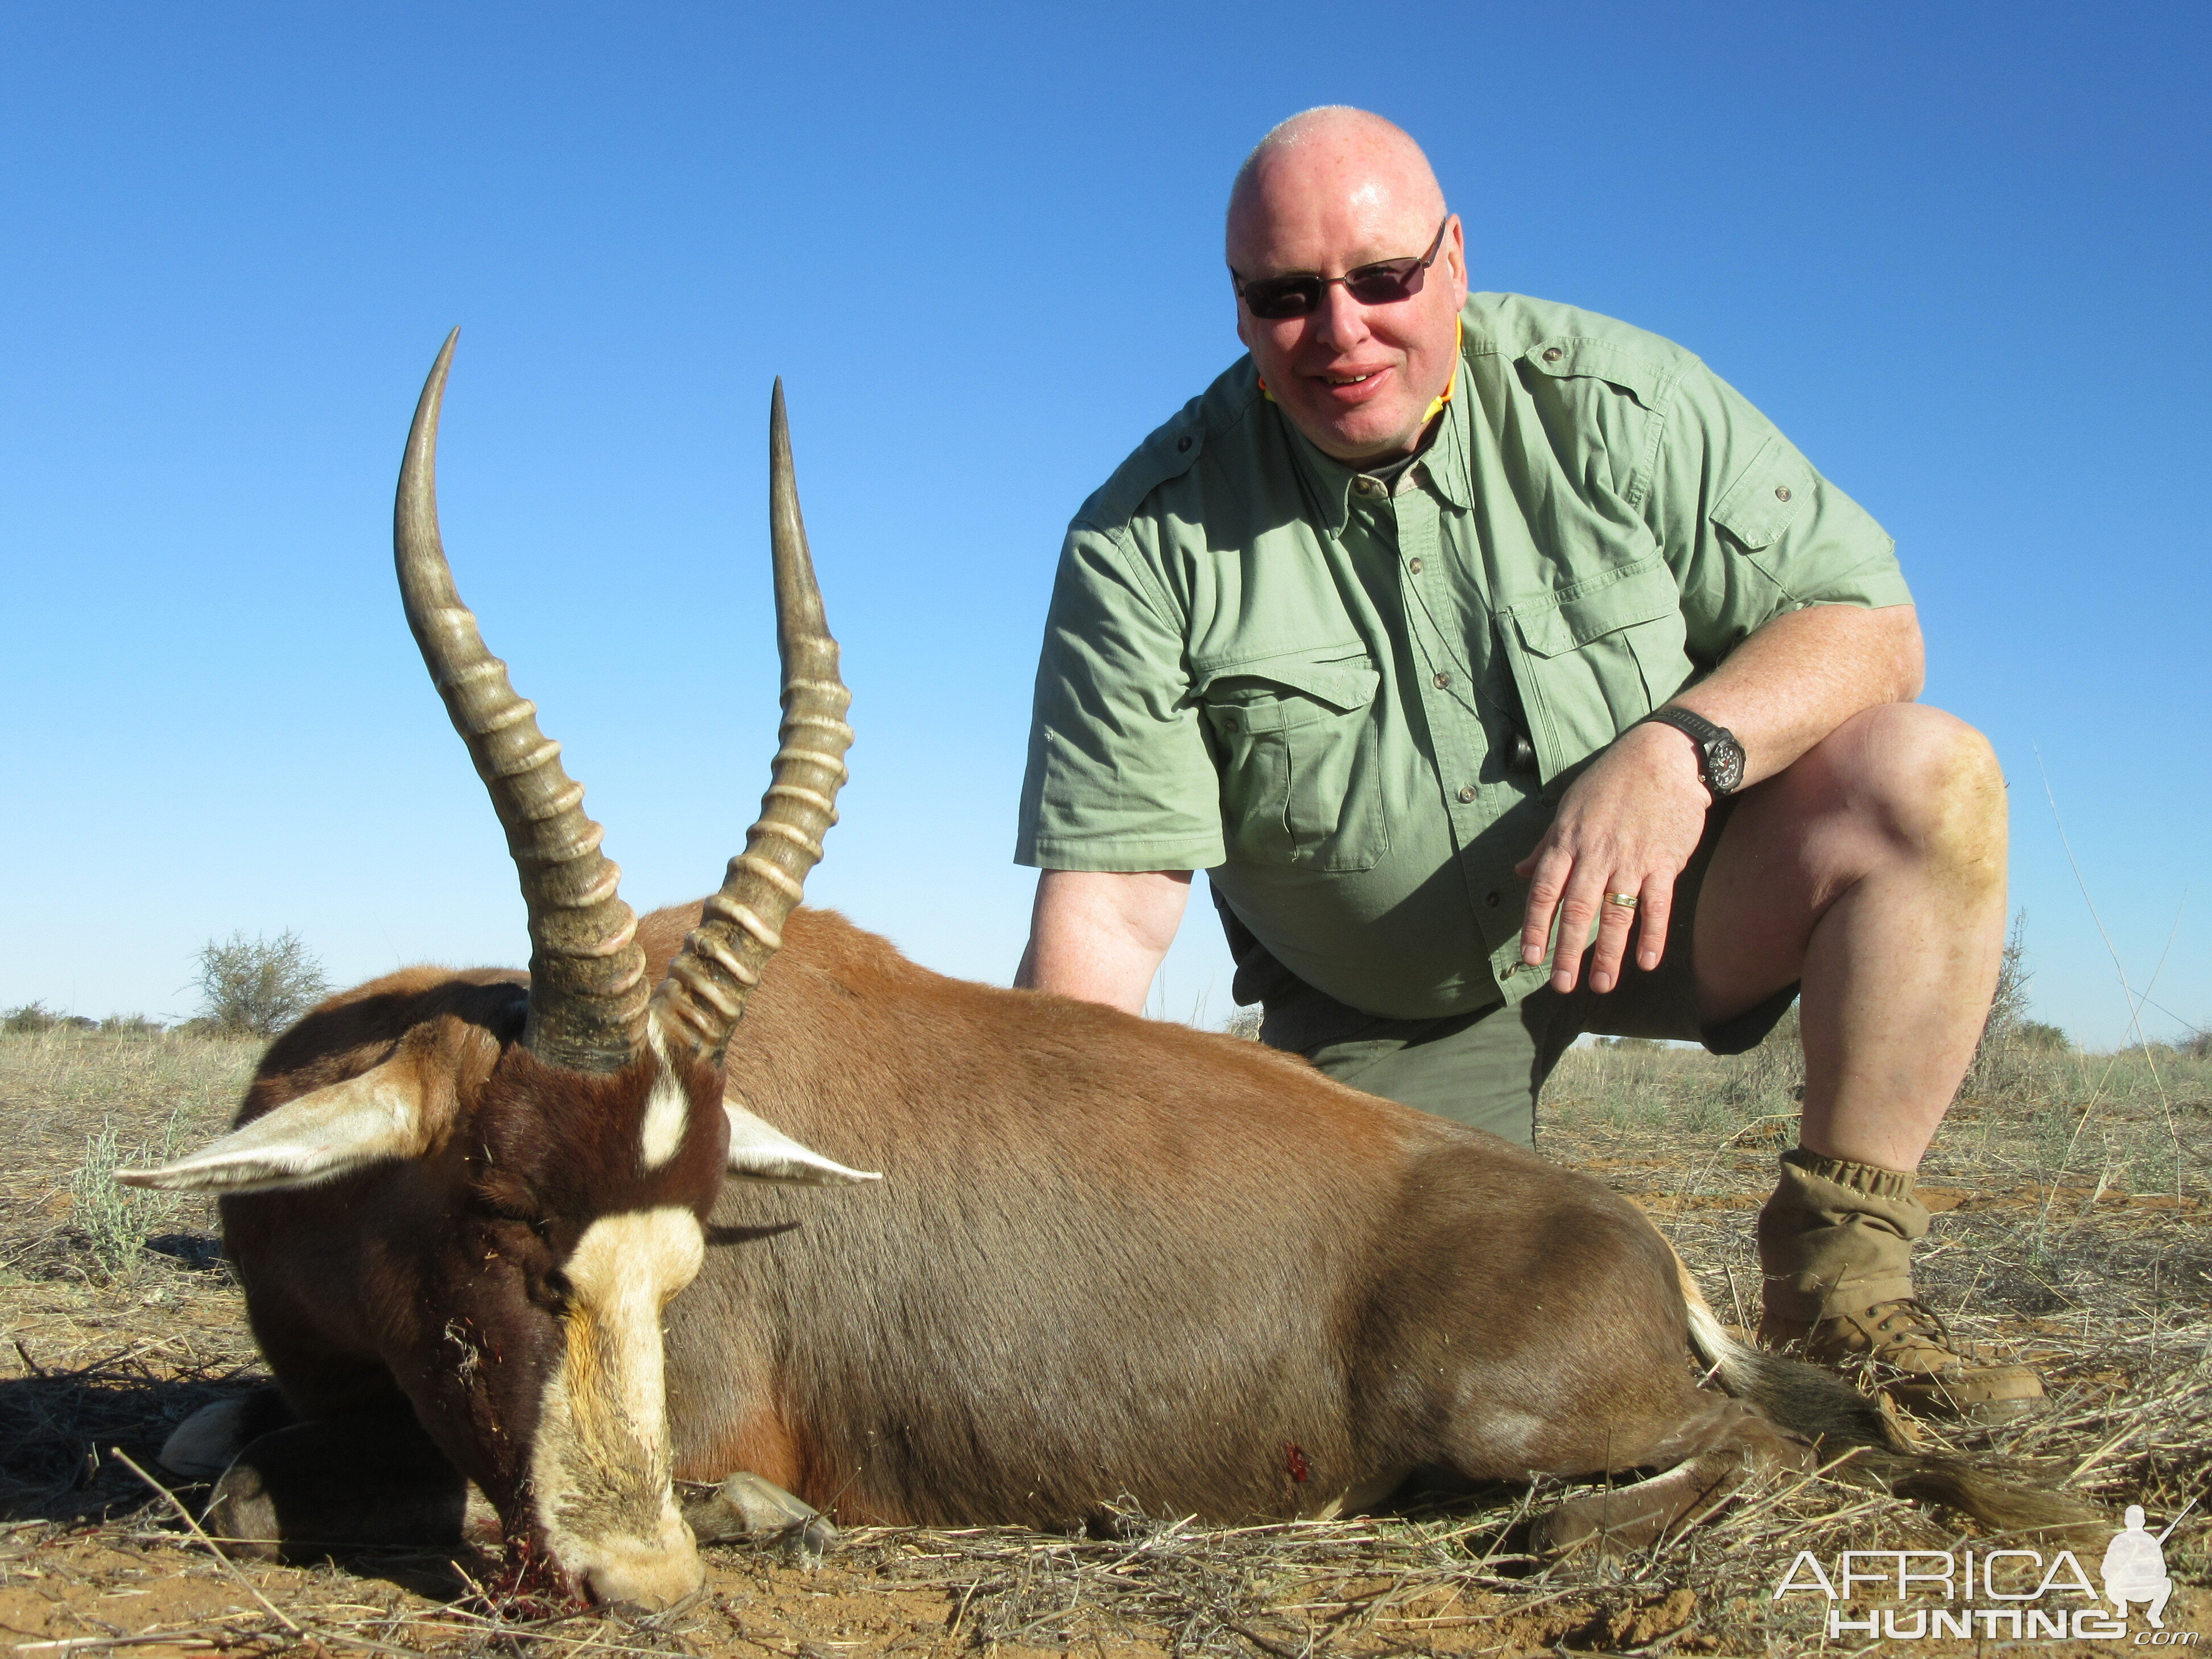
<point>1720,756</point>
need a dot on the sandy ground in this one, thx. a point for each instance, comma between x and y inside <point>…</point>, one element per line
<point>2108,1289</point>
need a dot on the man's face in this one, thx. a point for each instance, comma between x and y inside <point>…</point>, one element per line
<point>1356,379</point>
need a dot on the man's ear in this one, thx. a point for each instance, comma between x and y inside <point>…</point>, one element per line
<point>760,1151</point>
<point>317,1138</point>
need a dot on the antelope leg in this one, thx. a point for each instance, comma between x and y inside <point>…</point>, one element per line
<point>336,1484</point>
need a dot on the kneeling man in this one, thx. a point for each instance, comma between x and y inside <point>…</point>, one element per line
<point>1514,679</point>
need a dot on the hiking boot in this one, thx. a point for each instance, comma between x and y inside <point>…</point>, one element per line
<point>1835,1243</point>
<point>1906,1353</point>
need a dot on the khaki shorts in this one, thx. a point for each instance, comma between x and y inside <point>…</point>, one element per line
<point>1485,1069</point>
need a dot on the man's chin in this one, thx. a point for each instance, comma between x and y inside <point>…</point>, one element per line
<point>1354,442</point>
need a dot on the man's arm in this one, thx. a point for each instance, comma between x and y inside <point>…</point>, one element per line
<point>1099,934</point>
<point>1630,823</point>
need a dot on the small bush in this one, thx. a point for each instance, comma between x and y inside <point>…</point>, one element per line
<point>255,988</point>
<point>1996,1066</point>
<point>130,1026</point>
<point>105,1211</point>
<point>29,1019</point>
<point>115,1219</point>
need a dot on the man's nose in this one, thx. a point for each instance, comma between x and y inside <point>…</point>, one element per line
<point>1340,324</point>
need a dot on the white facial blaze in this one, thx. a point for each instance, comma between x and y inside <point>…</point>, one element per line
<point>667,1110</point>
<point>600,1467</point>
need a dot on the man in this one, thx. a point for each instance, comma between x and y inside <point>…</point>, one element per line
<point>1375,631</point>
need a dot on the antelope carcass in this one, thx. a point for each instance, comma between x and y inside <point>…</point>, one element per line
<point>537,1232</point>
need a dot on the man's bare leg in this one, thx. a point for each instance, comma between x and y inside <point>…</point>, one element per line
<point>1873,871</point>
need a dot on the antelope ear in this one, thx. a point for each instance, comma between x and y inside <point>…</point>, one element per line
<point>317,1138</point>
<point>760,1151</point>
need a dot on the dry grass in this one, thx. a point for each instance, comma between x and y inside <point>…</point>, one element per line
<point>2073,1221</point>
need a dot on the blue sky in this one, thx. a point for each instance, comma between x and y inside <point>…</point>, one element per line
<point>1959,254</point>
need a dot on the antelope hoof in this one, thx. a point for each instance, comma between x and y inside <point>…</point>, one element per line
<point>202,1446</point>
<point>746,1508</point>
<point>242,1517</point>
<point>350,1483</point>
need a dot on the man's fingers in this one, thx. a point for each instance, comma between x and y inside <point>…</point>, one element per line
<point>1652,917</point>
<point>1548,870</point>
<point>1577,911</point>
<point>1613,921</point>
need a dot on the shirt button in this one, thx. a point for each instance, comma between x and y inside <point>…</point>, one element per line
<point>1442,680</point>
<point>1182,444</point>
<point>1782,492</point>
<point>1413,565</point>
<point>1467,792</point>
<point>1552,354</point>
<point>1491,900</point>
<point>1228,722</point>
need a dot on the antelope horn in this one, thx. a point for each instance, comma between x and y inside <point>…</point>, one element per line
<point>587,990</point>
<point>698,1005</point>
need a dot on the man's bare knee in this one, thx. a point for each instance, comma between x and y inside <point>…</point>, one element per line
<point>1929,782</point>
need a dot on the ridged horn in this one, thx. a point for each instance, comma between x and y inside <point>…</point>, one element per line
<point>697,1006</point>
<point>587,989</point>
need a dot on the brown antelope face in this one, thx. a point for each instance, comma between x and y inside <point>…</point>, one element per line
<point>523,1198</point>
<point>584,1203</point>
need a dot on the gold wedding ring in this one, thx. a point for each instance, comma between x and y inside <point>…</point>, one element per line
<point>1625,900</point>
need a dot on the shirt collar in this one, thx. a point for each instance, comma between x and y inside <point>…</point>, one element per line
<point>1444,463</point>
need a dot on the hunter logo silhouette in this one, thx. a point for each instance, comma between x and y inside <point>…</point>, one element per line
<point>2134,1568</point>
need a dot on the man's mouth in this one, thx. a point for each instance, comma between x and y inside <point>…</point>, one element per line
<point>1353,386</point>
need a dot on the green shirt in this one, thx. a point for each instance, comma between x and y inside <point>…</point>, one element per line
<point>1309,683</point>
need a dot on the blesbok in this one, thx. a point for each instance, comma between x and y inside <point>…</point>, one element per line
<point>537,1233</point>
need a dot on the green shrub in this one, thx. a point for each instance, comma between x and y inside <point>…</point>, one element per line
<point>255,988</point>
<point>115,1219</point>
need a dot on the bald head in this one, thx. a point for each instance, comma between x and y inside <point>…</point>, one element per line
<point>1337,158</point>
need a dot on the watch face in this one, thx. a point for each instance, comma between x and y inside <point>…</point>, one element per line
<point>1724,765</point>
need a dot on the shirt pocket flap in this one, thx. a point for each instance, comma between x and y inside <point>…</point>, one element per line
<point>1574,357</point>
<point>1773,489</point>
<point>1344,683</point>
<point>1576,620</point>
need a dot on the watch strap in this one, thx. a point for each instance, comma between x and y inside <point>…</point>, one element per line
<point>1683,720</point>
<point>1701,732</point>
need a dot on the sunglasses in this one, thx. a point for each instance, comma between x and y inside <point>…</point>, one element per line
<point>1273,299</point>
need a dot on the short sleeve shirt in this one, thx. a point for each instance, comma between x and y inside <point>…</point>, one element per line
<point>1310,684</point>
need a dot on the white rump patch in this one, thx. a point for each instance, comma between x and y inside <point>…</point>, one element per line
<point>319,1137</point>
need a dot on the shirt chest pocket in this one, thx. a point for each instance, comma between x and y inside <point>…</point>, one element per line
<point>1301,783</point>
<point>1592,660</point>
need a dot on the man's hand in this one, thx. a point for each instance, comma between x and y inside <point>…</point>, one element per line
<point>1627,825</point>
<point>1630,823</point>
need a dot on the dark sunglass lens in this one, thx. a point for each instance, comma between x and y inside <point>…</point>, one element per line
<point>1276,298</point>
<point>1386,283</point>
